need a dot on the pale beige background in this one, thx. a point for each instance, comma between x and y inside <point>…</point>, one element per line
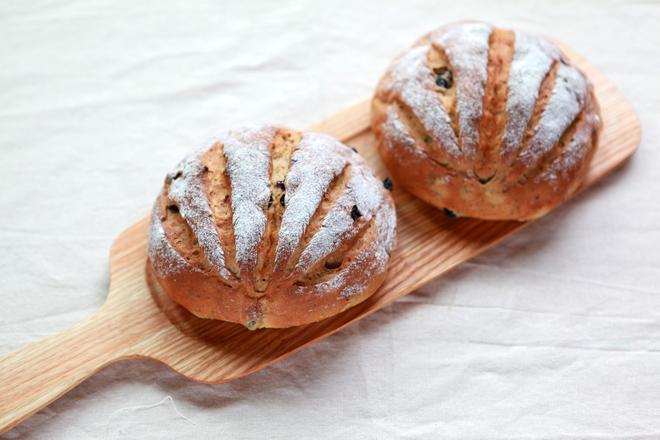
<point>553,334</point>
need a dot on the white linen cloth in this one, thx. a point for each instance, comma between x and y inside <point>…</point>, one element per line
<point>555,333</point>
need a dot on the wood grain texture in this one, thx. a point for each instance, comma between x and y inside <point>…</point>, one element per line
<point>135,322</point>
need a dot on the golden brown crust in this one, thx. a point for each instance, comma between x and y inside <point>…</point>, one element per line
<point>486,122</point>
<point>308,234</point>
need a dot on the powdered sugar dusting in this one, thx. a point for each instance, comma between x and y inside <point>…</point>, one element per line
<point>412,79</point>
<point>565,103</point>
<point>248,161</point>
<point>466,46</point>
<point>369,262</point>
<point>186,189</point>
<point>386,227</point>
<point>164,258</point>
<point>397,135</point>
<point>363,191</point>
<point>572,156</point>
<point>315,163</point>
<point>372,263</point>
<point>532,60</point>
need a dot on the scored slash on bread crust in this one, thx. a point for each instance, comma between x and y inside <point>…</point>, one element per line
<point>260,229</point>
<point>509,137</point>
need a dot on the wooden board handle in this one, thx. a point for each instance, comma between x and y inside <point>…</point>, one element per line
<point>35,375</point>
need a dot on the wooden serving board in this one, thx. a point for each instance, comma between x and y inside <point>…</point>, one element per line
<point>136,323</point>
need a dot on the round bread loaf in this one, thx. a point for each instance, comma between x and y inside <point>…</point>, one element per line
<point>270,227</point>
<point>486,122</point>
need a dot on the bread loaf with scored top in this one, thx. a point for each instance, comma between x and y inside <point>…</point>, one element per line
<point>271,227</point>
<point>486,122</point>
